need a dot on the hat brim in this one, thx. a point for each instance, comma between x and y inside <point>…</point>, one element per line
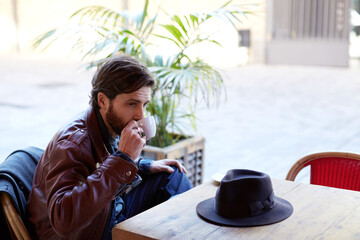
<point>282,210</point>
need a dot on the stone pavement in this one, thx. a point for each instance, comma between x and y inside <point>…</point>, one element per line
<point>273,115</point>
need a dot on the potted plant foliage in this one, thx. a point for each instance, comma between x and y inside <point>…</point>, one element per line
<point>183,81</point>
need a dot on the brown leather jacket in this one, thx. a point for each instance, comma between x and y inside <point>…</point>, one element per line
<point>74,183</point>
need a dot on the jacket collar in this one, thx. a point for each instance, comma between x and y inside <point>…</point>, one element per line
<point>93,130</point>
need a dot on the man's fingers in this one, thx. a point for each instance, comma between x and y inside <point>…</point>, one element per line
<point>165,166</point>
<point>184,169</point>
<point>177,164</point>
<point>169,169</point>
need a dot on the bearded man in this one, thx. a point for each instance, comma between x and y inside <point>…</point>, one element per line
<point>91,175</point>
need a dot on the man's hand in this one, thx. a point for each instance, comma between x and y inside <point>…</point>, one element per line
<point>164,166</point>
<point>131,141</point>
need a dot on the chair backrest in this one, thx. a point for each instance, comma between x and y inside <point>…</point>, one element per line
<point>16,176</point>
<point>332,169</point>
<point>17,229</point>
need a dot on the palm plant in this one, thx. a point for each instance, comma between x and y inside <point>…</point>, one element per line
<point>99,33</point>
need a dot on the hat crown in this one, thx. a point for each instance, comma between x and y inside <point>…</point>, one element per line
<point>244,193</point>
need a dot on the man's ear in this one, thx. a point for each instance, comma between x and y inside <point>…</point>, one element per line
<point>103,101</point>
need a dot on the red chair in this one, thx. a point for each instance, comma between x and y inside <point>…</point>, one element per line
<point>332,169</point>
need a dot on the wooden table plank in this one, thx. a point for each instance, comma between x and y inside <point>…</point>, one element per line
<point>319,212</point>
<point>176,220</point>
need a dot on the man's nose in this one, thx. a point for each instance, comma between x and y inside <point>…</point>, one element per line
<point>140,114</point>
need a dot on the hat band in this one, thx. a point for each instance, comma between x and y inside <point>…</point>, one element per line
<point>246,209</point>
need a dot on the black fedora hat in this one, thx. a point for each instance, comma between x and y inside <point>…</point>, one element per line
<point>244,198</point>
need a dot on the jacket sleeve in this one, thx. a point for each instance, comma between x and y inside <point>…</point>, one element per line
<point>144,165</point>
<point>76,193</point>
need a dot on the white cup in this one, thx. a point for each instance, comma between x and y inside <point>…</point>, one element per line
<point>148,125</point>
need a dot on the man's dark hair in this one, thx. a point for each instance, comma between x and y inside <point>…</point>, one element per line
<point>121,74</point>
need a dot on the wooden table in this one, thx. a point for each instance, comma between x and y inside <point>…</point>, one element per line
<point>319,213</point>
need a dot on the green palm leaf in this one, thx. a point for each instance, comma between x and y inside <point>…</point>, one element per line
<point>180,78</point>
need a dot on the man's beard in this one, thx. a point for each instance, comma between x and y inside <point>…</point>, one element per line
<point>116,123</point>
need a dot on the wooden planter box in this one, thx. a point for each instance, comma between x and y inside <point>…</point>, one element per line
<point>190,152</point>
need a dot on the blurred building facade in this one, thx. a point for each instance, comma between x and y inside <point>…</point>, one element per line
<point>278,32</point>
<point>312,32</point>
